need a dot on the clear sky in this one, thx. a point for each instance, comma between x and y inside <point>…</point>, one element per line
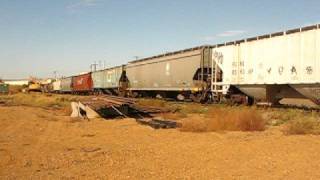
<point>38,37</point>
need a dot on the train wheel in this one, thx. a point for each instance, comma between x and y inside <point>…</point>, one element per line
<point>158,96</point>
<point>181,97</point>
<point>161,95</point>
<point>134,94</point>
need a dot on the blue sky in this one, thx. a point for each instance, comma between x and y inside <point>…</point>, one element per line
<point>38,37</point>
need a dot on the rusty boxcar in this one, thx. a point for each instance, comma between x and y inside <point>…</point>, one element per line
<point>82,83</point>
<point>182,73</point>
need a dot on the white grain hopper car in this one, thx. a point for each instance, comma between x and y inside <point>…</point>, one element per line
<point>273,66</point>
<point>56,86</point>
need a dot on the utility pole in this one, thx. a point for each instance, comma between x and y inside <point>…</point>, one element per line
<point>136,57</point>
<point>93,67</point>
<point>55,74</point>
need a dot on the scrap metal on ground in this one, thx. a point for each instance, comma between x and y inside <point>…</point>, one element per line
<point>158,123</point>
<point>111,106</point>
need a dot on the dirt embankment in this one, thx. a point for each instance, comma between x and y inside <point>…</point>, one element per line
<point>38,143</point>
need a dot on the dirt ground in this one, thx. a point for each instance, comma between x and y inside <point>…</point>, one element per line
<point>38,140</point>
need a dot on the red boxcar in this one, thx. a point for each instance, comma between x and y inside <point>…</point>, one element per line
<point>82,83</point>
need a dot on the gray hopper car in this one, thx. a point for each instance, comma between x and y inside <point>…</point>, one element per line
<point>66,85</point>
<point>107,80</point>
<point>183,73</point>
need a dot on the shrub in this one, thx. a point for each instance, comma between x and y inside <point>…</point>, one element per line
<point>303,126</point>
<point>194,125</point>
<point>174,116</point>
<point>226,120</point>
<point>152,102</point>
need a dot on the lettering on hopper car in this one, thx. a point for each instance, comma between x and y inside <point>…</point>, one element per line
<point>234,63</point>
<point>250,71</point>
<point>269,70</point>
<point>218,56</point>
<point>234,72</point>
<point>309,70</point>
<point>280,70</point>
<point>294,70</point>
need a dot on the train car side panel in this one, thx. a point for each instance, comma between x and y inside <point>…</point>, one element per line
<point>107,78</point>
<point>99,79</point>
<point>276,66</point>
<point>288,58</point>
<point>169,73</point>
<point>82,83</point>
<point>113,76</point>
<point>56,85</point>
<point>66,84</point>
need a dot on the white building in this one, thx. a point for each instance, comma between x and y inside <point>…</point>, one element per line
<point>17,82</point>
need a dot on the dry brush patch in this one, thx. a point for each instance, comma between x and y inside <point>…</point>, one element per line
<point>295,121</point>
<point>152,102</point>
<point>174,116</point>
<point>226,120</point>
<point>38,100</point>
<point>13,89</point>
<point>303,125</point>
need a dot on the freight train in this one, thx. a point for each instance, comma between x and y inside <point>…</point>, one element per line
<point>262,69</point>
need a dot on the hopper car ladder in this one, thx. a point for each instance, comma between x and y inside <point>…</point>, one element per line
<point>216,85</point>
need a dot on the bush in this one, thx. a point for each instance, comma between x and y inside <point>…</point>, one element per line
<point>280,116</point>
<point>152,102</point>
<point>226,120</point>
<point>174,116</point>
<point>37,100</point>
<point>303,126</point>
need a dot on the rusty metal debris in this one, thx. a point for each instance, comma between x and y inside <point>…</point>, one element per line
<point>110,106</point>
<point>158,123</point>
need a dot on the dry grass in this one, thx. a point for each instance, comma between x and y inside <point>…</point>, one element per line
<point>38,100</point>
<point>282,116</point>
<point>174,116</point>
<point>193,108</point>
<point>152,102</point>
<point>226,120</point>
<point>179,107</point>
<point>302,125</point>
<point>13,89</point>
